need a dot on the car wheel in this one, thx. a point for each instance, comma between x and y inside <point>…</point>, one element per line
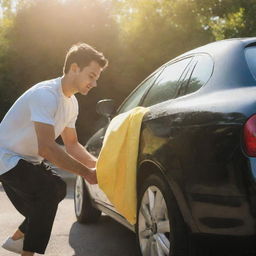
<point>160,228</point>
<point>85,212</point>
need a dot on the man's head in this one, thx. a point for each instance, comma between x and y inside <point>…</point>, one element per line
<point>83,64</point>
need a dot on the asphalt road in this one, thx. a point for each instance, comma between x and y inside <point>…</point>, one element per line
<point>69,238</point>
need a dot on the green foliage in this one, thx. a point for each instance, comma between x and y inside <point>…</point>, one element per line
<point>153,32</point>
<point>135,35</point>
<point>6,24</point>
<point>6,6</point>
<point>228,18</point>
<point>229,26</point>
<point>35,45</point>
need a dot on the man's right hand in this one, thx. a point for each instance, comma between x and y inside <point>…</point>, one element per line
<point>90,176</point>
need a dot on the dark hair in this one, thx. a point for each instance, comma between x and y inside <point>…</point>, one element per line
<point>82,54</point>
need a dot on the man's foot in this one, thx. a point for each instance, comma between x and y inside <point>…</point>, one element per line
<point>17,235</point>
<point>24,253</point>
<point>14,245</point>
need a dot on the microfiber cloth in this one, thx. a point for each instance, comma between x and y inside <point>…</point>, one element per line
<point>117,163</point>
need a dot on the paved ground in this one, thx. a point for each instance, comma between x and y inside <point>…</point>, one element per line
<point>69,238</point>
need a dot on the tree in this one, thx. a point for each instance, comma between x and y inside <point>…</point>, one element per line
<point>229,18</point>
<point>40,35</point>
<point>154,31</point>
<point>135,35</point>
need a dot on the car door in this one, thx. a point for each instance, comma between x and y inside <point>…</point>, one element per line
<point>95,142</point>
<point>165,83</point>
<point>135,99</point>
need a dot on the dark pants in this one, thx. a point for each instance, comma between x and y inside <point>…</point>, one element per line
<point>35,191</point>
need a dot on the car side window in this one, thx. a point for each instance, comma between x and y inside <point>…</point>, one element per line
<point>167,83</point>
<point>201,71</point>
<point>250,55</point>
<point>135,97</point>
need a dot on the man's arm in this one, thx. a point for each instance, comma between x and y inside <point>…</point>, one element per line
<point>49,149</point>
<point>75,149</point>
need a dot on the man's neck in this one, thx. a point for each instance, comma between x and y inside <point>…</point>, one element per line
<point>66,85</point>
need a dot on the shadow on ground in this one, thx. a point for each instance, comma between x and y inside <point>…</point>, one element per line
<point>106,238</point>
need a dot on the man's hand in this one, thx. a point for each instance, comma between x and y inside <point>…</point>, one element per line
<point>91,177</point>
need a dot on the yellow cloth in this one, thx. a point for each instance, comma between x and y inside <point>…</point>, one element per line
<point>117,163</point>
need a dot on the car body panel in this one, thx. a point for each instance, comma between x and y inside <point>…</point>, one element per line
<point>195,142</point>
<point>198,147</point>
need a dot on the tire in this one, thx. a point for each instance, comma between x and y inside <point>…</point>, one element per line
<point>162,232</point>
<point>85,212</point>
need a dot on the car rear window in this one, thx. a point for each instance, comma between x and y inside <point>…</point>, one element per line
<point>250,55</point>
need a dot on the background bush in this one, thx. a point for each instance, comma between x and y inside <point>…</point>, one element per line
<point>136,36</point>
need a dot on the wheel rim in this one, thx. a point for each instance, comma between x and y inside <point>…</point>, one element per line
<point>79,195</point>
<point>154,224</point>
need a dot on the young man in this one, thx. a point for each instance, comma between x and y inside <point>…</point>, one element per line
<point>27,136</point>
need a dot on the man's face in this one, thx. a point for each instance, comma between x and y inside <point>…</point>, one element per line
<point>86,78</point>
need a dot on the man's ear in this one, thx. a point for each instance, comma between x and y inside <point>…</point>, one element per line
<point>74,68</point>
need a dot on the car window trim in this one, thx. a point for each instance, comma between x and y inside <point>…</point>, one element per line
<point>139,85</point>
<point>196,60</point>
<point>164,67</point>
<point>190,71</point>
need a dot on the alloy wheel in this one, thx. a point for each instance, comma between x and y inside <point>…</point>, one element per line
<point>154,224</point>
<point>79,195</point>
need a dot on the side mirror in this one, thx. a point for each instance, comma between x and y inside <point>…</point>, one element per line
<point>106,108</point>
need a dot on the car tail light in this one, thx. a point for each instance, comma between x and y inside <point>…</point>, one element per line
<point>250,136</point>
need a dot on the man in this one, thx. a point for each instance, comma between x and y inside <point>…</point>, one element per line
<point>27,136</point>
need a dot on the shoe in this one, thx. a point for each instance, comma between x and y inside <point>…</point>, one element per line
<point>13,245</point>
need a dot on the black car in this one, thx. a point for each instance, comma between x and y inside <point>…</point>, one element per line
<point>197,156</point>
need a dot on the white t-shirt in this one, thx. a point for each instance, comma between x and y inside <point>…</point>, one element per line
<point>45,102</point>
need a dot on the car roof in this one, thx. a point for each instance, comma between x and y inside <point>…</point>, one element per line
<point>215,47</point>
<point>230,66</point>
